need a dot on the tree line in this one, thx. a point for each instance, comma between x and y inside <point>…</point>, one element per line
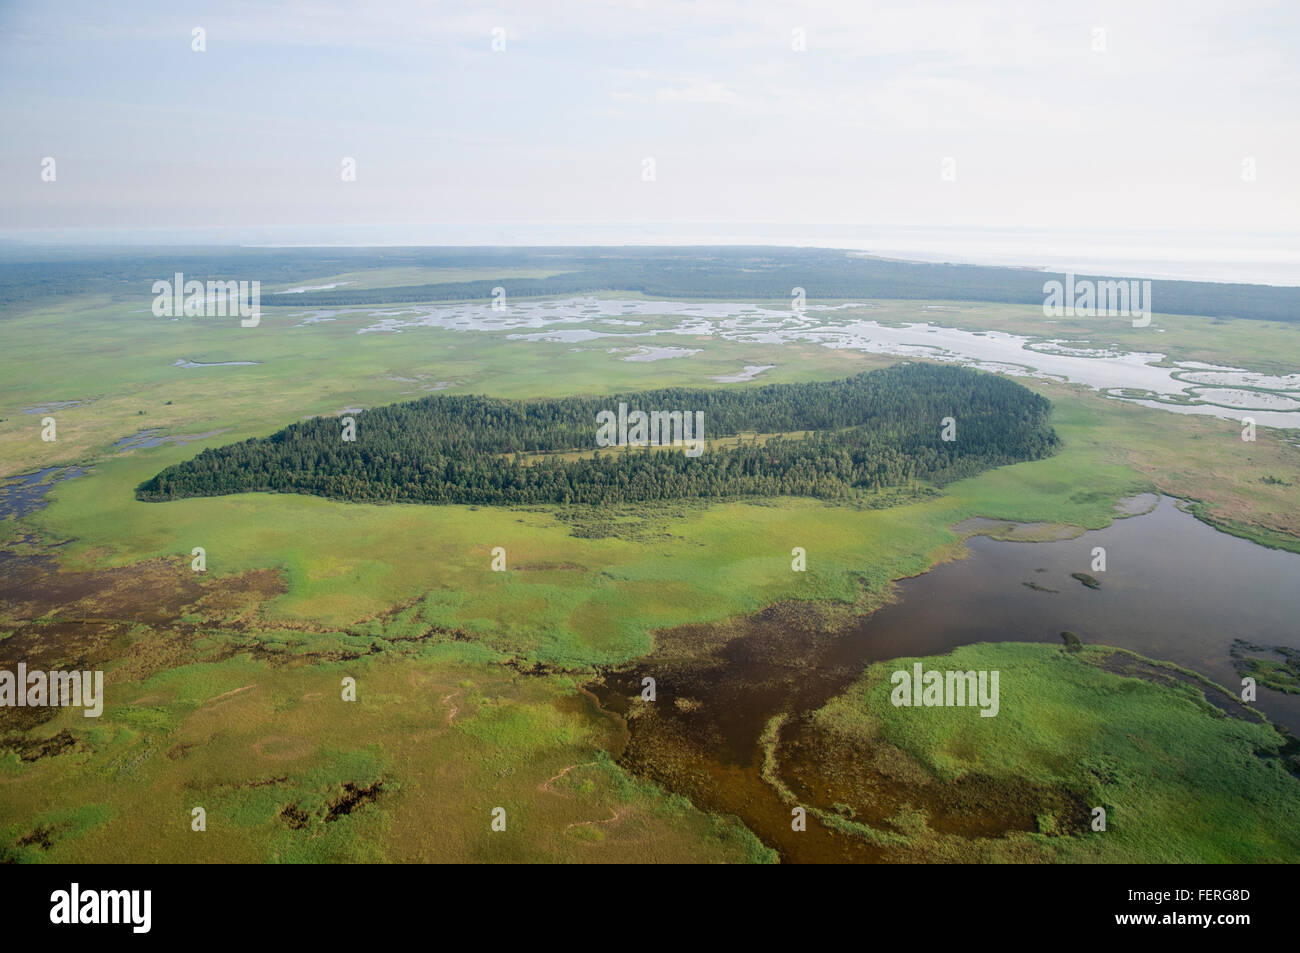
<point>30,275</point>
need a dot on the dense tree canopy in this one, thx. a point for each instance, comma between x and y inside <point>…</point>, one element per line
<point>835,439</point>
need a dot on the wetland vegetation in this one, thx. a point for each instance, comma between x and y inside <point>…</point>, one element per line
<point>522,688</point>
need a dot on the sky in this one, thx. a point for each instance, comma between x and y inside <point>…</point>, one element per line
<point>1102,116</point>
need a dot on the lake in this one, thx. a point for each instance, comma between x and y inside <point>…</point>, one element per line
<point>1174,589</point>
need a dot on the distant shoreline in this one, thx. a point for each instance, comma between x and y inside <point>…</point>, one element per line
<point>1262,258</point>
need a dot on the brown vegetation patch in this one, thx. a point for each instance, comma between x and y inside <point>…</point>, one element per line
<point>178,751</point>
<point>295,817</point>
<point>131,616</point>
<point>33,749</point>
<point>353,797</point>
<point>42,837</point>
<point>878,785</point>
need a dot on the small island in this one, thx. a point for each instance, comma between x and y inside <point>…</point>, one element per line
<point>834,440</point>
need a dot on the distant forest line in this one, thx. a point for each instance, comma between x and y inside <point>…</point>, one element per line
<point>843,438</point>
<point>29,276</point>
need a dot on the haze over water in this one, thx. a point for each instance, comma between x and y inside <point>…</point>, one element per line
<point>1208,255</point>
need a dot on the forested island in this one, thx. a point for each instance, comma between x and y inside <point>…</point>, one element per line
<point>832,440</point>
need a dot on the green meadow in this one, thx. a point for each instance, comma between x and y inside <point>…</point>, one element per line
<point>1179,782</point>
<point>402,276</point>
<point>435,742</point>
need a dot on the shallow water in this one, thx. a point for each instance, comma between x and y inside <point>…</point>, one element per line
<point>750,372</point>
<point>1174,589</point>
<point>156,438</point>
<point>26,492</point>
<point>647,354</point>
<point>305,288</point>
<point>145,438</point>
<point>53,405</point>
<point>1144,373</point>
<point>185,362</point>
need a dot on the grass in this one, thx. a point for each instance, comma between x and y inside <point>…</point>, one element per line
<point>273,753</point>
<point>582,588</point>
<point>1180,782</point>
<point>406,276</point>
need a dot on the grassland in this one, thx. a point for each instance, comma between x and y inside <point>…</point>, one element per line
<point>248,698</point>
<point>288,772</point>
<point>1179,781</point>
<point>407,275</point>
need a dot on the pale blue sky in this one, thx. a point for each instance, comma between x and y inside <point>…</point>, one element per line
<point>1149,134</point>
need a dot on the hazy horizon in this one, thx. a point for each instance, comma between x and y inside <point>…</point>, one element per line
<point>1170,115</point>
<point>1216,255</point>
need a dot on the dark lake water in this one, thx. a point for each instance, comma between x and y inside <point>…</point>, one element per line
<point>1174,589</point>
